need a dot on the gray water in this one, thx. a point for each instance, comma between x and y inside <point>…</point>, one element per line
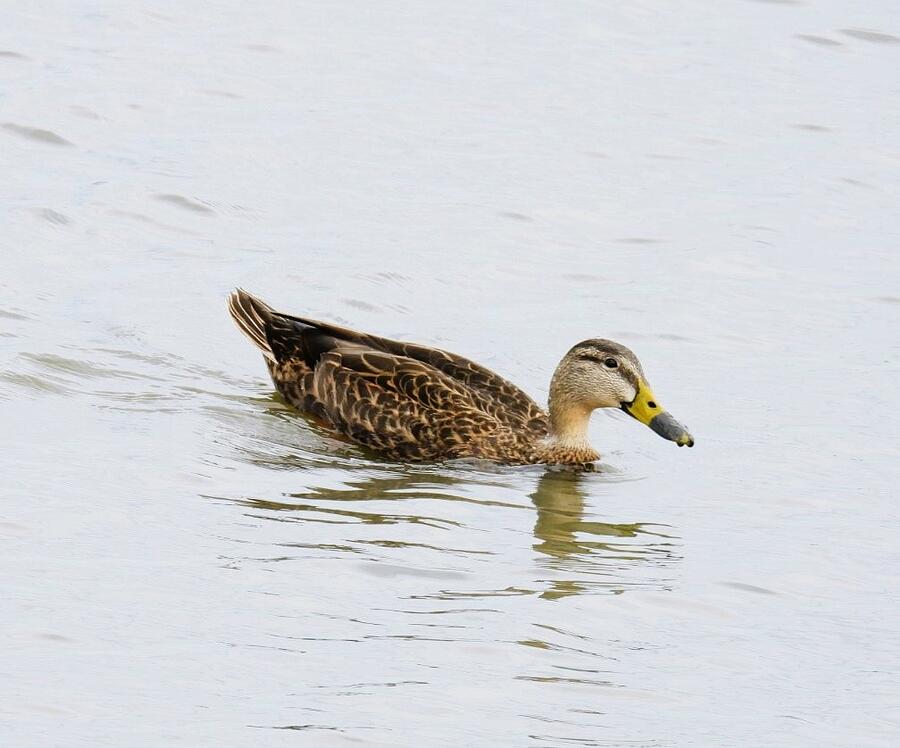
<point>187,562</point>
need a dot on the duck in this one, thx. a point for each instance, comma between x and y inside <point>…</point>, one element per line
<point>414,403</point>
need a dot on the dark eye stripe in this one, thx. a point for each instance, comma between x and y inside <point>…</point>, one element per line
<point>609,362</point>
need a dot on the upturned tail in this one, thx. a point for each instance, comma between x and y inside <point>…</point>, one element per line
<point>252,316</point>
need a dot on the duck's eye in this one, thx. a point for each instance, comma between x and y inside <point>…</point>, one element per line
<point>610,363</point>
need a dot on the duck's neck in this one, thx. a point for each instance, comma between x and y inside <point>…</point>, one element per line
<point>567,442</point>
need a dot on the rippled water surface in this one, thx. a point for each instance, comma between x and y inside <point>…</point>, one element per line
<point>187,562</point>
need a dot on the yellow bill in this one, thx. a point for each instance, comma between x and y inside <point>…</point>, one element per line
<point>646,410</point>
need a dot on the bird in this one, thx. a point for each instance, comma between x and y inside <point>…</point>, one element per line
<point>414,403</point>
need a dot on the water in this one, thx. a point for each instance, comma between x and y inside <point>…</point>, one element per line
<point>188,563</point>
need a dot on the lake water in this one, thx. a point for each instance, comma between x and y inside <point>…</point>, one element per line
<point>187,562</point>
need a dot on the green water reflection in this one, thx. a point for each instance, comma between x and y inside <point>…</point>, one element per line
<point>576,553</point>
<point>599,553</point>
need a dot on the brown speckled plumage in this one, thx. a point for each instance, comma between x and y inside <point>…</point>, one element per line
<point>407,401</point>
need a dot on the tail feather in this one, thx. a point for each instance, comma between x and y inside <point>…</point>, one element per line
<point>252,316</point>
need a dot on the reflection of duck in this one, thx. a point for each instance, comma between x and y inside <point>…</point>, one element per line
<point>374,485</point>
<point>416,403</point>
<point>560,508</point>
<point>572,544</point>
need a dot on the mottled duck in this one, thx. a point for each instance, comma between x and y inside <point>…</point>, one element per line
<point>415,403</point>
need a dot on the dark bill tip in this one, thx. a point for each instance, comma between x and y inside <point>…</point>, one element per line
<point>668,428</point>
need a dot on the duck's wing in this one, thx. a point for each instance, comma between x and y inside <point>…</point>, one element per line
<point>403,407</point>
<point>494,394</point>
<point>296,346</point>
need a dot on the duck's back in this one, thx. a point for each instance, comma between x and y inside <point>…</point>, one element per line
<point>405,400</point>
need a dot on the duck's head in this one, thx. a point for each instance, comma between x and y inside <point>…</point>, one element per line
<point>600,373</point>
